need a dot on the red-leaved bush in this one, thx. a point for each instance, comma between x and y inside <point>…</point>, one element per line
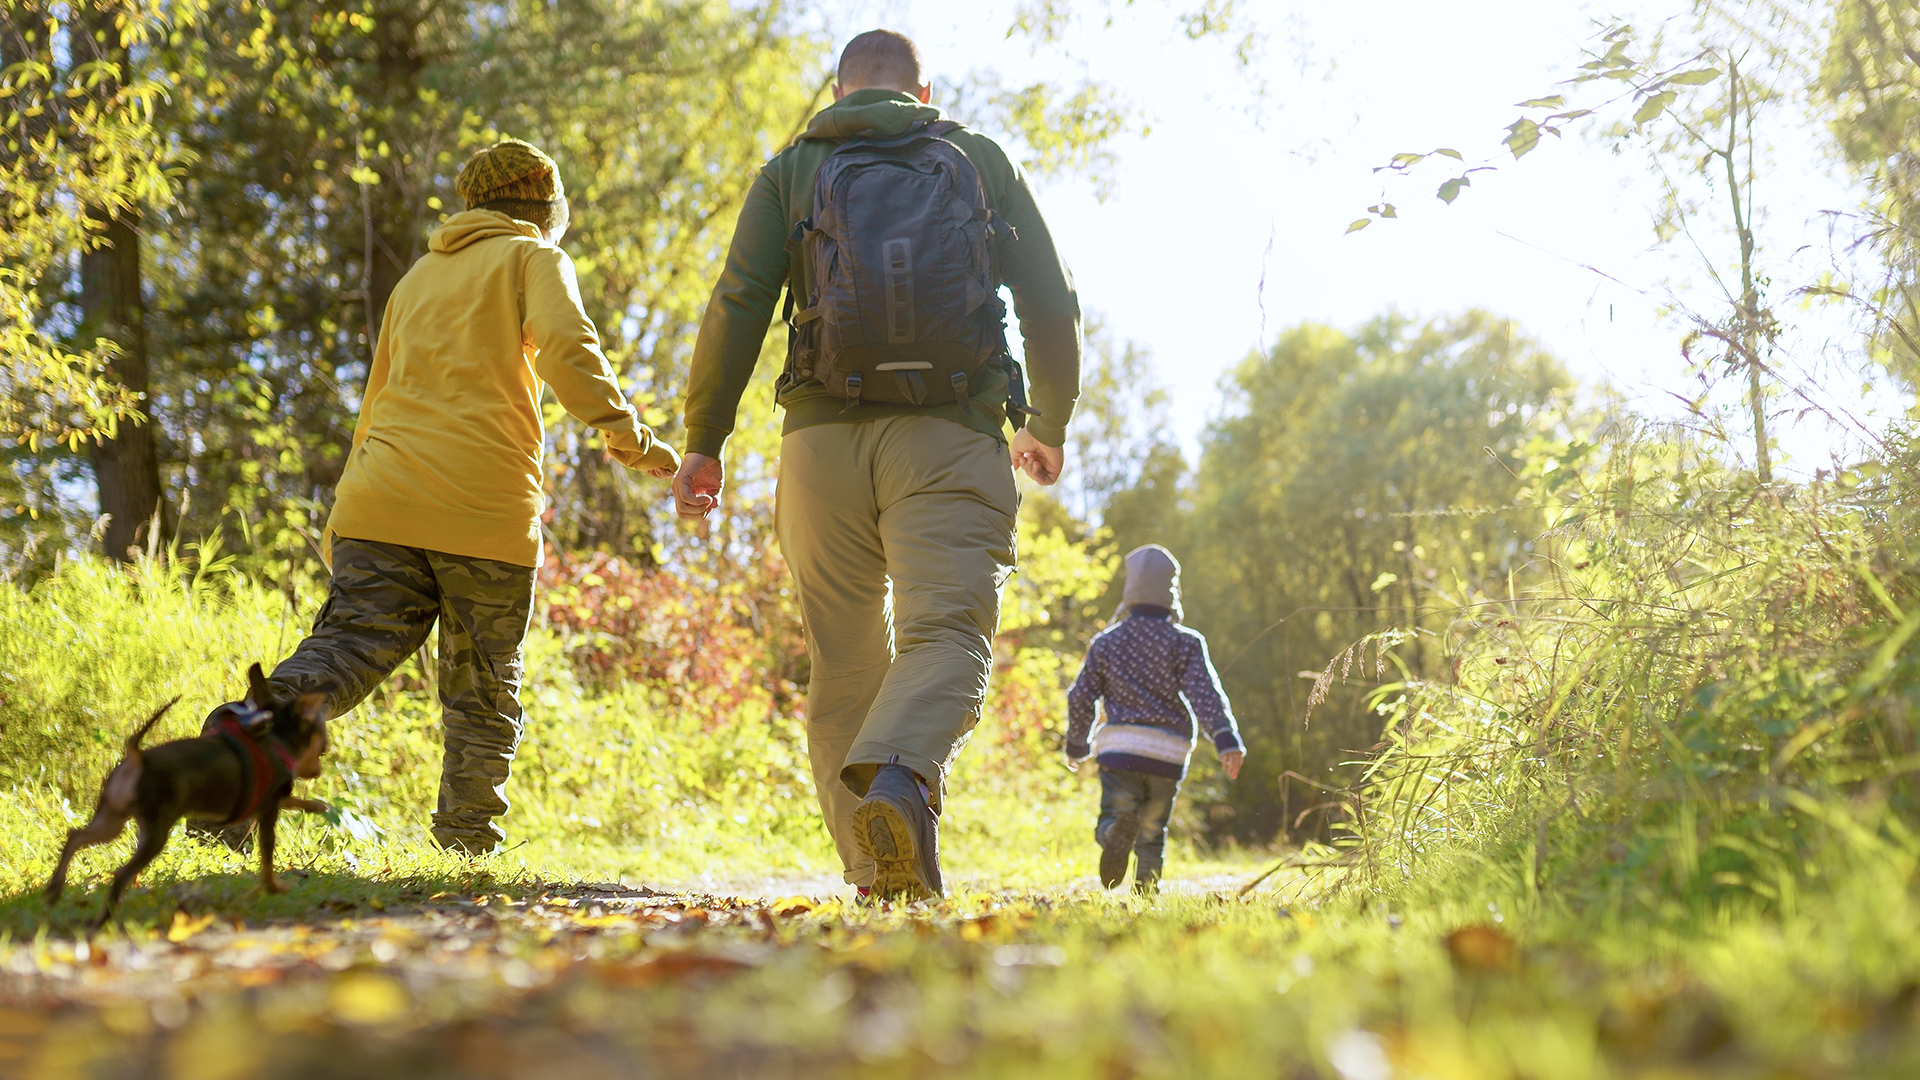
<point>716,645</point>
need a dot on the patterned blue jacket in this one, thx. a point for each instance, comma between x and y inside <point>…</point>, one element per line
<point>1154,676</point>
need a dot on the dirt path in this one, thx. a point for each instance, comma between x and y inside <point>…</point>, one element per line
<point>468,987</point>
<point>577,980</point>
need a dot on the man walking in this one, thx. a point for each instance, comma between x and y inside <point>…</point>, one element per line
<point>892,228</point>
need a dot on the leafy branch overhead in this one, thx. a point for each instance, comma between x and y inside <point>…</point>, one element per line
<point>1651,90</point>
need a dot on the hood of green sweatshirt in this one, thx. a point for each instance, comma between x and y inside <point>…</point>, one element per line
<point>869,112</point>
<point>469,226</point>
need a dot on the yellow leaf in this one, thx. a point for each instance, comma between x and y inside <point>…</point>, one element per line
<point>365,998</point>
<point>185,926</point>
<point>791,905</point>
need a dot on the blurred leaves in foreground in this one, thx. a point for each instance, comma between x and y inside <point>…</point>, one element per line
<point>526,980</point>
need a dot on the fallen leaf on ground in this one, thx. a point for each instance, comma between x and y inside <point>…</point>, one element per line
<point>185,926</point>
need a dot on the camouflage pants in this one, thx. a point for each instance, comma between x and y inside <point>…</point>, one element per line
<point>383,601</point>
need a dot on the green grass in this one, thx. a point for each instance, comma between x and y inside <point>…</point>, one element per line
<point>614,786</point>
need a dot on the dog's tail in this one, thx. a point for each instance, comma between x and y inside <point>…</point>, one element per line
<point>133,740</point>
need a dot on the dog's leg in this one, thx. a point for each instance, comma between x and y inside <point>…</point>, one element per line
<point>269,817</point>
<point>153,840</point>
<point>103,828</point>
<point>311,806</point>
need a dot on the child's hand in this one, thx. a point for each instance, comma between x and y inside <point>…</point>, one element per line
<point>1072,765</point>
<point>1231,762</point>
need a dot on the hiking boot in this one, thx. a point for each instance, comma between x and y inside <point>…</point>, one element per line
<point>1116,846</point>
<point>896,828</point>
<point>472,845</point>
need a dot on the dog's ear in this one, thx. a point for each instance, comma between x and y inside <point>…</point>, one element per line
<point>311,708</point>
<point>257,689</point>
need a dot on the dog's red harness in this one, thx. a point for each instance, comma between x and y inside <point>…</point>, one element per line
<point>265,761</point>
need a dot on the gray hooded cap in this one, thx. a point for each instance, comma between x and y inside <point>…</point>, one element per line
<point>1153,578</point>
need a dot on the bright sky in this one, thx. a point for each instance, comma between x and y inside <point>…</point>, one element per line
<point>1227,222</point>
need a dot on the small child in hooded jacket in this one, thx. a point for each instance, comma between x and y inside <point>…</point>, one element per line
<point>1154,678</point>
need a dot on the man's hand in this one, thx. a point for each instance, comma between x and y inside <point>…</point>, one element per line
<point>1040,461</point>
<point>1231,762</point>
<point>696,489</point>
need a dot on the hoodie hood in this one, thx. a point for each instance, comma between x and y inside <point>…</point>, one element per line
<point>1153,579</point>
<point>470,226</point>
<point>869,112</point>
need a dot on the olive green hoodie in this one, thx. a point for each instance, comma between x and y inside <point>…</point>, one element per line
<point>758,264</point>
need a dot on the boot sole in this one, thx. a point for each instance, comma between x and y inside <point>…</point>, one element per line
<point>1119,846</point>
<point>885,837</point>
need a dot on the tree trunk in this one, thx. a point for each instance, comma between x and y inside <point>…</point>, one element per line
<point>392,213</point>
<point>126,468</point>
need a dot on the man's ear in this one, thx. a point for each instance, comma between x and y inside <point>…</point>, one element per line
<point>925,93</point>
<point>838,92</point>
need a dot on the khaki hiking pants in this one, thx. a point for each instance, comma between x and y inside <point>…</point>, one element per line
<point>383,601</point>
<point>926,505</point>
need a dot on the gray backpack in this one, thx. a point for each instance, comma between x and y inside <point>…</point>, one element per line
<point>905,307</point>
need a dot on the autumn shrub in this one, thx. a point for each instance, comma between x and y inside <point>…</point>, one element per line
<point>716,646</point>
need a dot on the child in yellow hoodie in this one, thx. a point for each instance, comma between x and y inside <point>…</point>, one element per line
<point>436,517</point>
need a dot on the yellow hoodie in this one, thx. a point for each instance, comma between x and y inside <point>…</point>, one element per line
<point>447,453</point>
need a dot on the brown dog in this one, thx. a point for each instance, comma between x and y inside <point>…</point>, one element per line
<point>242,767</point>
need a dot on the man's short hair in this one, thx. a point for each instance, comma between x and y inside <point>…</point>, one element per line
<point>880,58</point>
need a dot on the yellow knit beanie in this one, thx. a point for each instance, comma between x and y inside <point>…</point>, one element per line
<point>515,178</point>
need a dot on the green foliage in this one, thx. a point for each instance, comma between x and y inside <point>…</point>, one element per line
<point>1702,703</point>
<point>80,134</point>
<point>1868,82</point>
<point>1053,129</point>
<point>327,142</point>
<point>79,147</point>
<point>1356,484</point>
